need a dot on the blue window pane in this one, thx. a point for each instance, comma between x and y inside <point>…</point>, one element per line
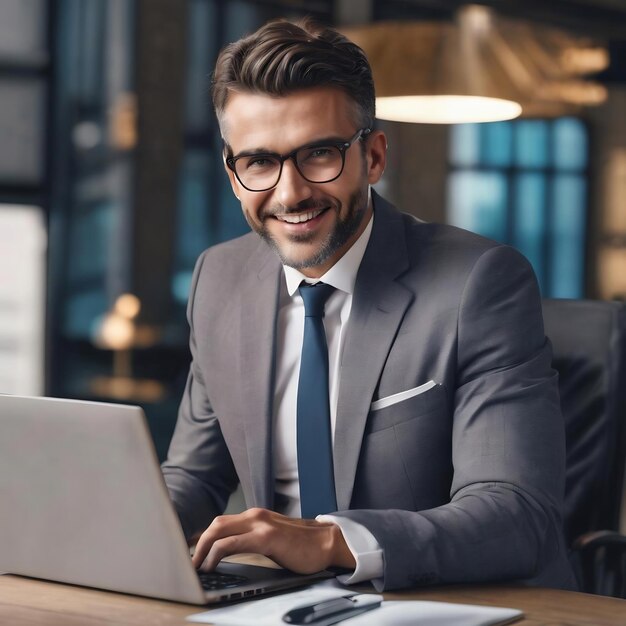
<point>570,143</point>
<point>242,18</point>
<point>91,242</point>
<point>568,236</point>
<point>477,202</point>
<point>465,144</point>
<point>232,222</point>
<point>181,283</point>
<point>200,64</point>
<point>496,143</point>
<point>531,143</point>
<point>193,233</point>
<point>93,250</point>
<point>529,220</point>
<point>83,313</point>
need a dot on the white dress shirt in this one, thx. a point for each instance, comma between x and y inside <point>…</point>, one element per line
<point>290,332</point>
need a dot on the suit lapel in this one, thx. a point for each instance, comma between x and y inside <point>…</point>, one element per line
<point>258,314</point>
<point>378,306</point>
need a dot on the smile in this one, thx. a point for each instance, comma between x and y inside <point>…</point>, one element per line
<point>300,217</point>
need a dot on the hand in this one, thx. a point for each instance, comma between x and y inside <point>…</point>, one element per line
<point>303,546</point>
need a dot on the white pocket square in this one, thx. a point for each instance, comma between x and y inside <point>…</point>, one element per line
<point>383,403</point>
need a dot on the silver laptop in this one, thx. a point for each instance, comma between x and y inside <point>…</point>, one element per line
<point>83,501</point>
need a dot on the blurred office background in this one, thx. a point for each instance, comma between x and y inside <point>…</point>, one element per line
<point>112,183</point>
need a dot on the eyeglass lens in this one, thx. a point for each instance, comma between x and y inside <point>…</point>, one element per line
<point>318,165</point>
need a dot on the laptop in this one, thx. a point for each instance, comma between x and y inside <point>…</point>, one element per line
<point>83,501</point>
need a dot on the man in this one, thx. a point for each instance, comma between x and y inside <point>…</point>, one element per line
<point>447,459</point>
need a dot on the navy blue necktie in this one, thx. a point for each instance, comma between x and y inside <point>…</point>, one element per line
<point>315,457</point>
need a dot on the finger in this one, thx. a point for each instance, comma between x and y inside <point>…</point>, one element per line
<point>204,544</point>
<point>225,547</point>
<point>221,527</point>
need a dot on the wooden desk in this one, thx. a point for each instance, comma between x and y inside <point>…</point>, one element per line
<point>26,602</point>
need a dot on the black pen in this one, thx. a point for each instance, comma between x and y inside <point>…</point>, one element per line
<point>332,611</point>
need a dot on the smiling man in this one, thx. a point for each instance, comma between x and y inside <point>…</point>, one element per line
<point>380,387</point>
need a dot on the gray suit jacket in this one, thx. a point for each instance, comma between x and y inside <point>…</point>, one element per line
<point>461,483</point>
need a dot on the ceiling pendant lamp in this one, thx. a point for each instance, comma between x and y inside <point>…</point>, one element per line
<point>478,68</point>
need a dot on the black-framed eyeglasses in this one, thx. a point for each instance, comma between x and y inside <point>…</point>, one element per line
<point>317,163</point>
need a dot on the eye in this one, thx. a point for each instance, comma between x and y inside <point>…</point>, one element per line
<point>259,162</point>
<point>319,154</point>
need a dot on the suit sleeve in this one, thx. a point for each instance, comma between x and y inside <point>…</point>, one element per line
<point>503,520</point>
<point>199,472</point>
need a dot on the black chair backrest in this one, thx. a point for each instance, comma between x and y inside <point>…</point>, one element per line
<point>589,345</point>
<point>601,564</point>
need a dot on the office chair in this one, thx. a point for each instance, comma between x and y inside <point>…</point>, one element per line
<point>602,558</point>
<point>589,345</point>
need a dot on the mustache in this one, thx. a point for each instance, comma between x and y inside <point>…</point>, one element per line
<point>305,205</point>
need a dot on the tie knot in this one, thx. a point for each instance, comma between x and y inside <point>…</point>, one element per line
<point>314,298</point>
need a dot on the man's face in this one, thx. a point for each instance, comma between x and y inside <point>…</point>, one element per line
<point>310,225</point>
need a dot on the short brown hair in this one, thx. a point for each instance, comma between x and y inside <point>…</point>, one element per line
<point>282,57</point>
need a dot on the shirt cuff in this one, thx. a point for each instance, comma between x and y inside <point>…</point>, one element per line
<point>366,551</point>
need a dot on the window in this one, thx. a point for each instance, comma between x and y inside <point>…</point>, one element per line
<point>24,88</point>
<point>22,299</point>
<point>524,183</point>
<point>91,178</point>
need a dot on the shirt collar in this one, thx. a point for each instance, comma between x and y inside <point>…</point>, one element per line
<point>342,275</point>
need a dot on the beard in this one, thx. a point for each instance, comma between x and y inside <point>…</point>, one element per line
<point>345,228</point>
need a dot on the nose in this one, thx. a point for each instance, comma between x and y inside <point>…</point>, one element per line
<point>292,188</point>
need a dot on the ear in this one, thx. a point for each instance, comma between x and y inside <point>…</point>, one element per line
<point>234,183</point>
<point>376,154</point>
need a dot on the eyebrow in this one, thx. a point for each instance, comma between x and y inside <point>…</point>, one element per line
<point>312,144</point>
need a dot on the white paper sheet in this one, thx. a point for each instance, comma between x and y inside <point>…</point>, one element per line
<point>269,612</point>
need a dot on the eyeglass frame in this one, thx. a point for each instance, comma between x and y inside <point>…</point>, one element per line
<point>342,146</point>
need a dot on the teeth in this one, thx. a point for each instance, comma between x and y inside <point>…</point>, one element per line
<point>299,218</point>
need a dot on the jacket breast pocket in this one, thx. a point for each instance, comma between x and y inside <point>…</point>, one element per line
<point>394,412</point>
<point>406,458</point>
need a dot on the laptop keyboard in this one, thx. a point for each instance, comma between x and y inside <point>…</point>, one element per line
<point>211,580</point>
